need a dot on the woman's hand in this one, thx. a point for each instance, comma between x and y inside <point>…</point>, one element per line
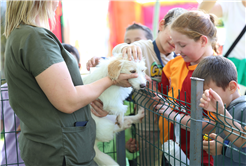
<point>92,62</point>
<point>132,50</point>
<point>123,80</point>
<point>97,108</point>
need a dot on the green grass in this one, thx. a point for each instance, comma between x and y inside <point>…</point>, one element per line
<point>1,143</point>
<point>2,134</point>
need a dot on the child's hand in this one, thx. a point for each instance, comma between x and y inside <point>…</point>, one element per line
<point>163,109</point>
<point>97,110</point>
<point>209,99</point>
<point>132,50</point>
<point>161,106</point>
<point>211,149</point>
<point>18,129</point>
<point>148,78</point>
<point>152,84</point>
<point>157,99</point>
<point>92,62</point>
<point>132,145</point>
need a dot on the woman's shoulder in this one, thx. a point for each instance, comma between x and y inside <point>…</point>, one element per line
<point>28,29</point>
<point>24,34</point>
<point>24,31</point>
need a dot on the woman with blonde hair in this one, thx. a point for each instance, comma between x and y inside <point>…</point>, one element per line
<point>46,90</point>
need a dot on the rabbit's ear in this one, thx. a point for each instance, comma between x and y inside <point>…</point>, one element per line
<point>114,69</point>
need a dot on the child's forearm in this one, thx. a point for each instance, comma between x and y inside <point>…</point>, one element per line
<point>185,121</point>
<point>233,130</point>
<point>171,115</point>
<point>207,126</point>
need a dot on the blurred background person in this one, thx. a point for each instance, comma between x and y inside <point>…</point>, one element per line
<point>233,15</point>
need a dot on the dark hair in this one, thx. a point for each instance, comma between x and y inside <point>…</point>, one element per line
<point>217,69</point>
<point>172,14</point>
<point>72,50</point>
<point>194,24</point>
<point>148,35</point>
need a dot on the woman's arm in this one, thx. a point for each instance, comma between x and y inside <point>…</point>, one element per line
<point>211,7</point>
<point>57,85</point>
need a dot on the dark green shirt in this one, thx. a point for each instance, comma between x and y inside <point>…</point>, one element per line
<point>47,134</point>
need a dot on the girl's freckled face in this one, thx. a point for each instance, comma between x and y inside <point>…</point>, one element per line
<point>189,49</point>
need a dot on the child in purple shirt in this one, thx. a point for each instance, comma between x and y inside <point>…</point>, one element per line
<point>10,122</point>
